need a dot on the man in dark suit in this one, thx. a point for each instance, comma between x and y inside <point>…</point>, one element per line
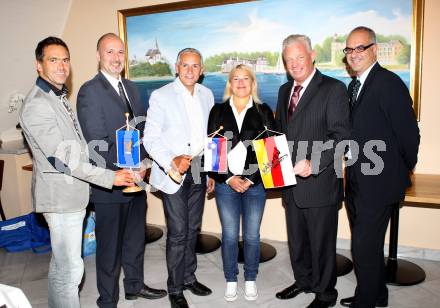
<point>120,218</point>
<point>313,112</point>
<point>381,114</point>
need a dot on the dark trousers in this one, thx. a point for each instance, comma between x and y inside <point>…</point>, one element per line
<point>311,234</point>
<point>368,223</point>
<point>183,214</point>
<point>120,241</point>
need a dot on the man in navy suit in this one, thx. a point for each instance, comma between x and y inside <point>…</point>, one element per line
<point>120,218</point>
<point>381,112</point>
<point>312,110</point>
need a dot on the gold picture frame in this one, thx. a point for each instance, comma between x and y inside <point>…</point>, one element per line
<point>416,55</point>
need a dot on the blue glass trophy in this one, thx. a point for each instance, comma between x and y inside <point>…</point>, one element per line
<point>128,150</point>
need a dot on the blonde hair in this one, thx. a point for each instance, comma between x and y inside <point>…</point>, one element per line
<point>250,72</point>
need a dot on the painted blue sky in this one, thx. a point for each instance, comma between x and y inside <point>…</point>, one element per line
<point>262,25</point>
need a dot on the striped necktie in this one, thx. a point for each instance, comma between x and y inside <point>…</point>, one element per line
<point>354,92</point>
<point>294,99</point>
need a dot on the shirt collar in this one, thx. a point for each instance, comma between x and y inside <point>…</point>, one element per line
<point>46,86</point>
<point>248,105</point>
<point>182,89</point>
<point>306,82</point>
<point>113,81</point>
<point>364,75</point>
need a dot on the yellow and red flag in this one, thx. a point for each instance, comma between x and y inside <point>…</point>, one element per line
<point>274,161</point>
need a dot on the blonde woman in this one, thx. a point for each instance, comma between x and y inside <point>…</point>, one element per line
<point>241,194</point>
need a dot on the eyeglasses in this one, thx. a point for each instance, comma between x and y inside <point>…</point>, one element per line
<point>358,49</point>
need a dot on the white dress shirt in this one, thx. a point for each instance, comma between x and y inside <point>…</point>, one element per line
<point>304,86</point>
<point>114,83</point>
<point>363,77</point>
<point>239,117</point>
<point>194,112</point>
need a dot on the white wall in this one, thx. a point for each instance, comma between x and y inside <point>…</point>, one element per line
<point>23,23</point>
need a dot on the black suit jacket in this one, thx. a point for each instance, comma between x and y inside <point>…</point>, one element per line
<point>100,113</point>
<point>258,116</point>
<point>322,115</point>
<point>383,111</point>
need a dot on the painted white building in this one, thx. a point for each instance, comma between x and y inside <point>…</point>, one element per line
<point>154,55</point>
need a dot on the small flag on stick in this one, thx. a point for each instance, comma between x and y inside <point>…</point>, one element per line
<point>215,155</point>
<point>274,161</point>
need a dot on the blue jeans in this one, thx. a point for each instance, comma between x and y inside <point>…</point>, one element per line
<point>232,205</point>
<point>66,265</point>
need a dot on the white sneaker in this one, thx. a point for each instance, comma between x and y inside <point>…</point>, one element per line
<point>250,290</point>
<point>231,291</point>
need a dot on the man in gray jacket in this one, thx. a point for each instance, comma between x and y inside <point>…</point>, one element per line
<point>61,169</point>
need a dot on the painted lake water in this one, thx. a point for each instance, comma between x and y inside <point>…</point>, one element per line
<point>268,84</point>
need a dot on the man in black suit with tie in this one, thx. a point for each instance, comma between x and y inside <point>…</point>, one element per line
<point>381,115</point>
<point>120,218</point>
<point>313,112</point>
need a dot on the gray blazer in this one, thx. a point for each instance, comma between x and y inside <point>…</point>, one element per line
<point>61,168</point>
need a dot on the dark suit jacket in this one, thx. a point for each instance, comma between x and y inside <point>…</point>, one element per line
<point>322,115</point>
<point>258,116</point>
<point>383,111</point>
<point>101,112</point>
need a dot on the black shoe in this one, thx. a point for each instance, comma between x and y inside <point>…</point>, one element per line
<point>197,288</point>
<point>290,292</point>
<point>146,292</point>
<point>348,302</point>
<point>317,303</point>
<point>178,301</point>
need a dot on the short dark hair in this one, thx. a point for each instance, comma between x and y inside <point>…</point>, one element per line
<point>50,40</point>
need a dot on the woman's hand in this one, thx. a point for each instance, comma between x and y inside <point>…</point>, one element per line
<point>238,184</point>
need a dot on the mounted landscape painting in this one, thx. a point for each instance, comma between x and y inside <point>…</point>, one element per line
<point>245,31</point>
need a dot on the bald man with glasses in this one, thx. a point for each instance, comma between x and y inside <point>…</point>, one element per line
<point>381,111</point>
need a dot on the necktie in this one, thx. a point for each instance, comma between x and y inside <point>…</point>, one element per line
<point>294,99</point>
<point>71,114</point>
<point>354,93</point>
<point>125,100</point>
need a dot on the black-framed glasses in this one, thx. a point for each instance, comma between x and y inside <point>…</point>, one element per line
<point>358,49</point>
